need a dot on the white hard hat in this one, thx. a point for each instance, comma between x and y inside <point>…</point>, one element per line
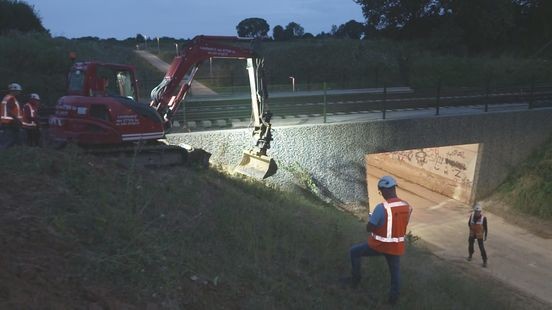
<point>14,87</point>
<point>34,96</point>
<point>387,182</point>
<point>477,207</point>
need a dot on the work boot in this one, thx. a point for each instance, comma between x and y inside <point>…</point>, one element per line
<point>349,282</point>
<point>484,264</point>
<point>393,300</point>
<point>469,258</point>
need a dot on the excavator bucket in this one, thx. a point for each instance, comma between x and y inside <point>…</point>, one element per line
<point>256,166</point>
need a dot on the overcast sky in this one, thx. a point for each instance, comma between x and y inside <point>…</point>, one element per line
<point>185,19</point>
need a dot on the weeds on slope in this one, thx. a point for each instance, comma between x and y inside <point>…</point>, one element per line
<point>529,187</point>
<point>202,239</point>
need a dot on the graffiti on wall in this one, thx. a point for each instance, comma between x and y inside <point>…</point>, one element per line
<point>456,163</point>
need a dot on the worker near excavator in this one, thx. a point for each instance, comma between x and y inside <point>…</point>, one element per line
<point>387,232</point>
<point>10,117</point>
<point>477,223</point>
<point>30,122</point>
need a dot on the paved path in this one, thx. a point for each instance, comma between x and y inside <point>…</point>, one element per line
<point>516,256</point>
<point>198,89</point>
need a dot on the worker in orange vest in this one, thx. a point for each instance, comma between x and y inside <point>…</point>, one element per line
<point>10,117</point>
<point>478,230</point>
<point>30,120</point>
<point>387,231</point>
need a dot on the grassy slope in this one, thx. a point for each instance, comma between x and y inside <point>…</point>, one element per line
<point>90,232</point>
<point>528,189</point>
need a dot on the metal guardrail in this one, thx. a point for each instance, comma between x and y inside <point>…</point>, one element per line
<point>323,103</point>
<point>374,102</point>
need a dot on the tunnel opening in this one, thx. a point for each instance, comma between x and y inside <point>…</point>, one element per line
<point>447,170</point>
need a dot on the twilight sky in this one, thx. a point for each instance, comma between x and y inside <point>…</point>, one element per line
<point>185,19</point>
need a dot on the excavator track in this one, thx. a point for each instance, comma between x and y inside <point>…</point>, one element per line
<point>152,154</point>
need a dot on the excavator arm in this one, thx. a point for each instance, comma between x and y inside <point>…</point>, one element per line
<point>168,95</point>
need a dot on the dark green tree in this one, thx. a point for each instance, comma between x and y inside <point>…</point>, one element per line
<point>294,30</point>
<point>533,25</point>
<point>395,14</point>
<point>486,24</point>
<point>351,29</point>
<point>140,38</point>
<point>253,27</point>
<point>19,16</point>
<point>279,34</point>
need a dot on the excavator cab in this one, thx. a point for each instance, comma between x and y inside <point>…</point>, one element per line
<point>100,79</point>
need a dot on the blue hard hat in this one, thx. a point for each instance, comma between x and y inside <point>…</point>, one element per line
<point>387,182</point>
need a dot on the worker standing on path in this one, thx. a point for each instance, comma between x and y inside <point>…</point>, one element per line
<point>10,117</point>
<point>387,227</point>
<point>478,230</point>
<point>30,120</point>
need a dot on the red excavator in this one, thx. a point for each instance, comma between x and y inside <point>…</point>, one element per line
<point>101,111</point>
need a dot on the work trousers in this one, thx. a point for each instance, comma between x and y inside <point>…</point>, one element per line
<point>9,136</point>
<point>357,251</point>
<point>471,241</point>
<point>32,136</point>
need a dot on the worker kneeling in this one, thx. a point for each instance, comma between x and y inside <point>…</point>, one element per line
<point>387,230</point>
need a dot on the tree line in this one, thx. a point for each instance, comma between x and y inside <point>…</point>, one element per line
<point>451,25</point>
<point>259,28</point>
<point>476,25</point>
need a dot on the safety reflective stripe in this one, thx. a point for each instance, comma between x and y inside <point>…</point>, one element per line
<point>5,110</point>
<point>389,237</point>
<point>5,115</point>
<point>382,239</point>
<point>480,221</point>
<point>33,113</point>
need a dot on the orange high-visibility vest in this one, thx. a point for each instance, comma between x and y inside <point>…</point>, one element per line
<point>9,109</point>
<point>29,115</point>
<point>476,226</point>
<point>389,237</point>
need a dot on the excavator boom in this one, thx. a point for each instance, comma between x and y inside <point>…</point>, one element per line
<point>168,95</point>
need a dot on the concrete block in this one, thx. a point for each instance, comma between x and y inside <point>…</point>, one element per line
<point>206,124</point>
<point>220,123</point>
<point>192,124</point>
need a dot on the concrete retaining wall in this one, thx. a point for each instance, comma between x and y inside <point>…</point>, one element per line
<point>334,153</point>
